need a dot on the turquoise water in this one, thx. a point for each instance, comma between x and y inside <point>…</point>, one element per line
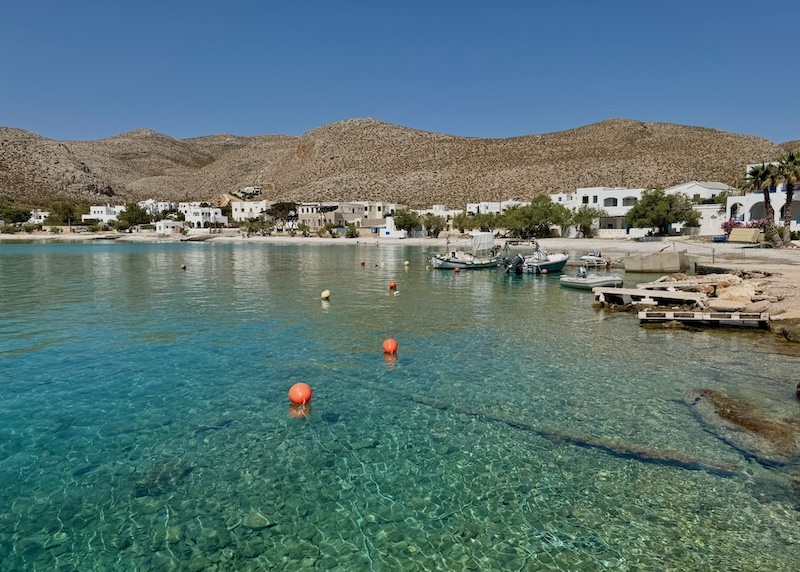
<point>146,423</point>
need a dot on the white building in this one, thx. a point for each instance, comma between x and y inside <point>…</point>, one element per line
<point>388,230</point>
<point>618,201</point>
<point>103,214</point>
<point>167,226</point>
<point>249,210</point>
<point>492,207</point>
<point>750,207</point>
<point>197,216</point>
<point>38,217</point>
<point>156,208</point>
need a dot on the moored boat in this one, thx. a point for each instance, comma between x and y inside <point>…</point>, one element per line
<point>483,255</point>
<point>584,281</point>
<point>540,262</point>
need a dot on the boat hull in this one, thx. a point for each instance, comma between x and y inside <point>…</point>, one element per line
<point>589,282</point>
<point>449,263</point>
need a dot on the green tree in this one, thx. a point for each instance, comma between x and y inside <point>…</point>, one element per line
<point>463,222</point>
<point>656,209</point>
<point>584,218</point>
<point>133,215</point>
<point>789,172</point>
<point>434,224</point>
<point>485,222</point>
<point>62,213</point>
<point>762,178</point>
<point>13,215</point>
<point>282,212</point>
<point>536,219</point>
<point>407,220</point>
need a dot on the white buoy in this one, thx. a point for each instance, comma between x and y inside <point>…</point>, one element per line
<point>406,263</point>
<point>326,294</point>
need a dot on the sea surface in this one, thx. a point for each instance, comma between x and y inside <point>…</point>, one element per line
<point>146,423</point>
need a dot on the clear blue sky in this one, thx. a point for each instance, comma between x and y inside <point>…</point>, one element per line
<point>87,69</point>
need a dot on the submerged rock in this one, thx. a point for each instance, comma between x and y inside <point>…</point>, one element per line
<point>745,427</point>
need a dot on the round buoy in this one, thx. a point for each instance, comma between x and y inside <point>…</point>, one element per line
<point>363,263</point>
<point>544,270</point>
<point>406,263</point>
<point>456,270</point>
<point>392,285</point>
<point>390,346</point>
<point>183,267</point>
<point>300,394</point>
<point>325,294</point>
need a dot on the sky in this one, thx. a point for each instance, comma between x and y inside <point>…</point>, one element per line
<point>87,69</point>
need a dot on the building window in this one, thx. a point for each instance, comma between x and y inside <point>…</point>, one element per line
<point>594,199</point>
<point>585,200</point>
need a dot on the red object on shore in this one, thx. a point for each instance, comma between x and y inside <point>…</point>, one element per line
<point>300,393</point>
<point>390,346</point>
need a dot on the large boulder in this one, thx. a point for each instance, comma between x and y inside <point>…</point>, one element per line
<point>725,305</point>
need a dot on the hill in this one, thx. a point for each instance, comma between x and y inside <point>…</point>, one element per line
<point>370,160</point>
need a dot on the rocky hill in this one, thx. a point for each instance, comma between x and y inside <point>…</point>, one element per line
<point>370,160</point>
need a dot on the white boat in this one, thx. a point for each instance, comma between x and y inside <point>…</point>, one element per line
<point>584,281</point>
<point>482,255</point>
<point>596,259</point>
<point>539,262</point>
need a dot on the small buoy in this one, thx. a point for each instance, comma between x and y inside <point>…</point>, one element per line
<point>325,294</point>
<point>300,394</point>
<point>544,270</point>
<point>392,285</point>
<point>363,263</point>
<point>183,267</point>
<point>390,346</point>
<point>406,263</point>
<point>456,270</point>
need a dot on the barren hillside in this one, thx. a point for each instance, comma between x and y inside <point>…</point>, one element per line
<point>370,160</point>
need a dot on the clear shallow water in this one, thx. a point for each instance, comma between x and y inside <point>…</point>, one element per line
<point>146,423</point>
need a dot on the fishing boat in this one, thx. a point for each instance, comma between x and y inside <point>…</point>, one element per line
<point>482,255</point>
<point>539,262</point>
<point>595,258</point>
<point>584,281</point>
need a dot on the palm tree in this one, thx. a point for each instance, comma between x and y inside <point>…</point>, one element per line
<point>789,171</point>
<point>764,177</point>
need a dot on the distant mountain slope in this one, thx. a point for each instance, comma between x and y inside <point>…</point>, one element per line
<point>372,160</point>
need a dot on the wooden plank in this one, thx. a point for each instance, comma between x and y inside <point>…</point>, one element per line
<point>677,284</point>
<point>649,315</point>
<point>650,294</point>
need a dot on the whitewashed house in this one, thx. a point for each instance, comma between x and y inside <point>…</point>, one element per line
<point>197,216</point>
<point>167,226</point>
<point>156,208</point>
<point>38,217</point>
<point>750,207</point>
<point>388,230</point>
<point>103,213</point>
<point>249,210</point>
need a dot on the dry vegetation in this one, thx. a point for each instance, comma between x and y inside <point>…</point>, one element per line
<point>370,160</point>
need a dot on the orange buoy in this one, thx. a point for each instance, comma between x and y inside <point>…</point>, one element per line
<point>456,270</point>
<point>392,285</point>
<point>390,346</point>
<point>362,263</point>
<point>300,394</point>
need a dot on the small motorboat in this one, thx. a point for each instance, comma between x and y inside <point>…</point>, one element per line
<point>540,262</point>
<point>584,281</point>
<point>595,259</point>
